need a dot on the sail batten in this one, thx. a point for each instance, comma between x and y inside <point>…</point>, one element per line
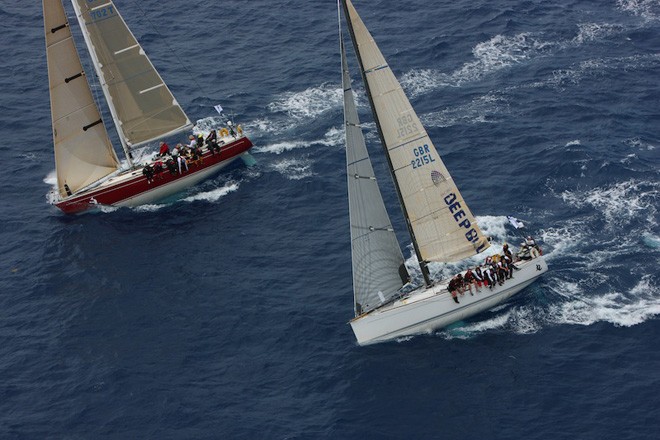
<point>440,223</point>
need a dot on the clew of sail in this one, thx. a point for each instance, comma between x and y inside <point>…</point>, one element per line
<point>442,225</point>
<point>141,104</point>
<point>378,266</point>
<point>83,151</point>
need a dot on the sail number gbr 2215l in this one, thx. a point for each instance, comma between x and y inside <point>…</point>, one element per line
<point>423,156</point>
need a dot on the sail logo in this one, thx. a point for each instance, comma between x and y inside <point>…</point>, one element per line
<point>437,178</point>
<point>423,156</point>
<point>461,217</point>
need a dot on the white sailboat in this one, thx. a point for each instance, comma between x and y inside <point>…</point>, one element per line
<point>440,224</point>
<point>143,110</point>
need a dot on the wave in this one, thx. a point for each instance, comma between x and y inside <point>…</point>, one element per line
<point>333,137</point>
<point>309,103</point>
<point>294,169</point>
<point>591,32</point>
<point>647,9</point>
<point>619,308</point>
<point>619,203</point>
<point>483,109</point>
<point>573,305</point>
<point>215,194</point>
<point>651,240</point>
<point>490,56</point>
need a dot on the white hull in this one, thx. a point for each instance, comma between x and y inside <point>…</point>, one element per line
<point>425,310</point>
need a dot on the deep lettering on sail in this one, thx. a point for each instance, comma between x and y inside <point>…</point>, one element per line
<point>455,208</point>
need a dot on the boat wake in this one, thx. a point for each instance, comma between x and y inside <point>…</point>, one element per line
<point>214,195</point>
<point>594,289</point>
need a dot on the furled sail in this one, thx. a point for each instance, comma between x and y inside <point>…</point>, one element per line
<point>83,151</point>
<point>142,105</point>
<point>378,269</point>
<point>443,227</point>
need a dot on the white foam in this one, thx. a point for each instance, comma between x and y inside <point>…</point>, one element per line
<point>420,81</point>
<point>333,137</point>
<point>589,32</point>
<point>149,208</point>
<point>639,144</point>
<point>573,143</point>
<point>214,195</point>
<point>647,9</point>
<point>282,147</point>
<point>309,103</point>
<point>51,179</point>
<point>619,308</point>
<point>482,109</point>
<point>651,240</point>
<point>294,169</point>
<point>595,67</point>
<point>621,202</point>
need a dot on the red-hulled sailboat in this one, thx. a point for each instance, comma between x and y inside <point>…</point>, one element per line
<point>142,107</point>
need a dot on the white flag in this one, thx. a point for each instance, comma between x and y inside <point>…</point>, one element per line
<point>218,108</point>
<point>515,222</point>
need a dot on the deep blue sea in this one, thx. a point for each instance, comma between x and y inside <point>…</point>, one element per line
<point>223,315</point>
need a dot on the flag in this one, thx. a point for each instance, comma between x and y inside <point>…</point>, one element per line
<point>218,108</point>
<point>515,222</point>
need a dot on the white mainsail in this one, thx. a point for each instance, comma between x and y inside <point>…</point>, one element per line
<point>83,151</point>
<point>378,266</point>
<point>141,104</point>
<point>442,225</point>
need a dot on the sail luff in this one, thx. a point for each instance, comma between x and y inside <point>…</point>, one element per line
<point>142,106</point>
<point>378,265</point>
<point>442,226</point>
<point>82,147</point>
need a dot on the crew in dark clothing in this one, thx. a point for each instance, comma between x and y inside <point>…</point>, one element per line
<point>469,280</point>
<point>212,142</point>
<point>453,287</point>
<point>148,172</point>
<point>158,169</point>
<point>171,166</point>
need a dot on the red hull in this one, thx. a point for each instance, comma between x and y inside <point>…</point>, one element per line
<point>128,188</point>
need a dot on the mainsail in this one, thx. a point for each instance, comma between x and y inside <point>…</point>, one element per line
<point>83,151</point>
<point>141,104</point>
<point>442,226</point>
<point>378,269</point>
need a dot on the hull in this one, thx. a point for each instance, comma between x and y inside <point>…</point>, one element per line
<point>131,188</point>
<point>428,309</point>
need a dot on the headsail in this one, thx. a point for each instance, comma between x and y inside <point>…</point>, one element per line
<point>378,269</point>
<point>141,104</point>
<point>83,151</point>
<point>442,225</point>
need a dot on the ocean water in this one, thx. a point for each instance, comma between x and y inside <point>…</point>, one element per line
<point>223,314</point>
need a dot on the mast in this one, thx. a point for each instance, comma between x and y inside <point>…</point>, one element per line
<point>422,262</point>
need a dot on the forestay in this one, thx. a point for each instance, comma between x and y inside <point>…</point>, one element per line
<point>142,105</point>
<point>378,265</point>
<point>442,224</point>
<point>83,151</point>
